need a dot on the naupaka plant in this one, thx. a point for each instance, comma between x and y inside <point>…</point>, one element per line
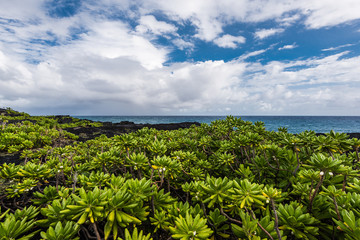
<point>293,220</point>
<point>117,211</point>
<point>19,225</point>
<point>62,232</point>
<point>190,228</point>
<point>246,194</point>
<point>216,191</point>
<point>89,207</point>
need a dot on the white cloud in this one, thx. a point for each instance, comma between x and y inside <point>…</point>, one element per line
<point>290,46</point>
<point>338,47</point>
<point>149,23</point>
<point>103,84</point>
<point>113,40</point>
<point>209,16</point>
<point>287,20</point>
<point>31,36</point>
<point>110,68</point>
<point>22,10</point>
<point>264,33</point>
<point>252,54</point>
<point>314,87</point>
<point>229,41</point>
<point>202,14</point>
<point>95,83</point>
<point>182,44</point>
<point>329,13</point>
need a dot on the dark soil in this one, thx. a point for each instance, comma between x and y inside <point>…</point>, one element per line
<point>10,158</point>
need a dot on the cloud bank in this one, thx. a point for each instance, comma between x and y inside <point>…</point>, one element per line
<point>116,57</point>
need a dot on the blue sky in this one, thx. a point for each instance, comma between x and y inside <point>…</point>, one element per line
<point>180,57</point>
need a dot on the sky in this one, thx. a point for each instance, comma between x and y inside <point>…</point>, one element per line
<point>180,57</point>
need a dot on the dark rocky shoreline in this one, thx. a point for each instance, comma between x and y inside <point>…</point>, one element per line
<point>111,129</point>
<point>351,135</point>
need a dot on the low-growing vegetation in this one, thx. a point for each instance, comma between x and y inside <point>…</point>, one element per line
<point>231,179</point>
<point>20,131</point>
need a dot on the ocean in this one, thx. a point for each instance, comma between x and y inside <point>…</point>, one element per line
<point>294,124</point>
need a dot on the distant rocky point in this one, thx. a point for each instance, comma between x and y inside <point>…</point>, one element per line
<point>111,129</point>
<point>90,132</point>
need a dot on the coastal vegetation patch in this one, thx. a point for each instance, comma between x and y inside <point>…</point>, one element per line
<point>231,179</point>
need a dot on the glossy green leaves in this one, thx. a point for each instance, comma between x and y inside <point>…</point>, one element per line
<point>190,228</point>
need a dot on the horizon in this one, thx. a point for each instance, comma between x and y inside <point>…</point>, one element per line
<point>213,115</point>
<point>180,58</point>
<point>236,115</point>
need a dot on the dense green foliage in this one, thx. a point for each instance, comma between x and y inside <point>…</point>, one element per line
<point>230,179</point>
<point>20,131</point>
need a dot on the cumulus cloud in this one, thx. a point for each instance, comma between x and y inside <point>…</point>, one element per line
<point>95,83</point>
<point>110,39</point>
<point>264,33</point>
<point>229,41</point>
<point>87,81</point>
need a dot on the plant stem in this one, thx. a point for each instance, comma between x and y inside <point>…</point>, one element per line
<point>87,234</point>
<point>298,161</point>
<point>228,217</point>
<point>276,224</point>
<point>262,228</point>
<point>344,183</point>
<point>296,169</point>
<point>96,231</point>
<point>168,184</point>
<point>315,192</point>
<point>208,220</point>
<point>336,208</point>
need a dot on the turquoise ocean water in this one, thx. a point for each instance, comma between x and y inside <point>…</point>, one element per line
<point>294,124</point>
